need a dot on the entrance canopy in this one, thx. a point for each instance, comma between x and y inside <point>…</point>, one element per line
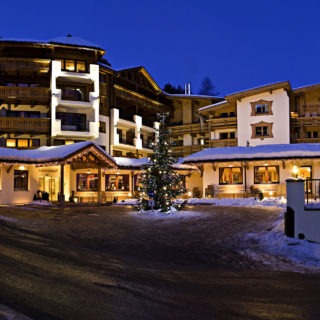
<point>78,154</point>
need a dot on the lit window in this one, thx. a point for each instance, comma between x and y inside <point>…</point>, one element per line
<point>116,182</point>
<point>81,66</point>
<point>23,143</point>
<point>20,180</point>
<point>69,142</point>
<point>266,174</point>
<point>230,175</point>
<point>11,143</point>
<point>70,65</point>
<point>87,182</point>
<point>102,127</point>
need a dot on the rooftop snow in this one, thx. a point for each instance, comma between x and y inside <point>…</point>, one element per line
<point>181,95</point>
<point>271,151</point>
<point>137,163</point>
<point>46,154</point>
<point>213,105</point>
<point>73,41</point>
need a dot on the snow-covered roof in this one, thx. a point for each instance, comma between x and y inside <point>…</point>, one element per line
<point>259,89</point>
<point>137,163</point>
<point>195,96</point>
<point>72,41</point>
<point>213,105</point>
<point>47,154</point>
<point>262,152</point>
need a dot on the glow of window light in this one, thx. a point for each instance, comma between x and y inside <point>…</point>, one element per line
<point>295,170</point>
<point>189,194</point>
<point>270,193</point>
<point>22,168</point>
<point>309,169</point>
<point>130,194</point>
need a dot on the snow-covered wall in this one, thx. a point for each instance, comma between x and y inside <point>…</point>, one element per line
<point>279,119</point>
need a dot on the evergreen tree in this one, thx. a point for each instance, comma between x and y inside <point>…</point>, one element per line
<point>207,88</point>
<point>158,176</point>
<point>169,88</point>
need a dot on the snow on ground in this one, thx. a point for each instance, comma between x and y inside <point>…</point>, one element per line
<point>275,250</point>
<point>239,202</point>
<point>173,214</point>
<point>41,203</point>
<point>8,219</point>
<point>242,202</point>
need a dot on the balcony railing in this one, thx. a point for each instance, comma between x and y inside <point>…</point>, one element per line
<point>24,93</point>
<point>28,125</point>
<point>24,64</point>
<point>216,143</point>
<point>305,121</point>
<point>189,128</point>
<point>126,140</point>
<point>223,122</point>
<point>306,140</point>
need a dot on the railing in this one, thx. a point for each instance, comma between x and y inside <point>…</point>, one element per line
<point>123,139</point>
<point>216,143</point>
<point>305,121</point>
<point>189,128</point>
<point>312,190</point>
<point>24,93</point>
<point>146,144</point>
<point>24,64</point>
<point>223,122</point>
<point>306,140</point>
<point>189,149</point>
<point>11,124</point>
<point>74,95</point>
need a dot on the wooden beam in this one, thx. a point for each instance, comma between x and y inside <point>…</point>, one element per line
<point>9,169</point>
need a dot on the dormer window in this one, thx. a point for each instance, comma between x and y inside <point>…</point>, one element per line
<point>261,108</point>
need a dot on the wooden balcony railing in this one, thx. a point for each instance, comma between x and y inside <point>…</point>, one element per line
<point>305,121</point>
<point>24,64</point>
<point>223,122</point>
<point>186,150</point>
<point>24,93</point>
<point>217,143</point>
<point>28,125</point>
<point>306,140</point>
<point>189,128</point>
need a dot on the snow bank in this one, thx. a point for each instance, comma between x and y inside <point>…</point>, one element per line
<point>8,219</point>
<point>242,202</point>
<point>42,203</point>
<point>128,202</point>
<point>278,252</point>
<point>173,214</point>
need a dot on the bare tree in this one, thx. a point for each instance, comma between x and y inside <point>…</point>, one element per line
<point>207,88</point>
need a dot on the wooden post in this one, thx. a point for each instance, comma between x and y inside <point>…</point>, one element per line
<point>62,199</point>
<point>99,185</point>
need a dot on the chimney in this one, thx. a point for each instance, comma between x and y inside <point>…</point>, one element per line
<point>189,88</point>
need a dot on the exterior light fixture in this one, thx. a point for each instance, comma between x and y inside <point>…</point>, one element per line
<point>22,168</point>
<point>189,194</point>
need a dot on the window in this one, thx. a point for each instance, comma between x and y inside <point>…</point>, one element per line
<point>87,182</point>
<point>23,143</point>
<point>68,142</point>
<point>117,153</point>
<point>81,66</point>
<point>230,175</point>
<point>312,134</point>
<point>266,174</point>
<point>117,182</point>
<point>261,130</point>
<point>102,127</point>
<point>70,65</point>
<point>232,135</point>
<point>224,135</point>
<point>20,180</point>
<point>11,143</point>
<point>261,107</point>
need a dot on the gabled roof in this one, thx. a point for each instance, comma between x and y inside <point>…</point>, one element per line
<point>306,88</point>
<point>52,154</point>
<point>144,71</point>
<point>261,152</point>
<point>253,91</point>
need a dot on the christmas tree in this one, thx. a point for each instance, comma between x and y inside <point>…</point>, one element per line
<point>158,180</point>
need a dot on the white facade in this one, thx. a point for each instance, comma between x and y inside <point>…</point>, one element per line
<point>279,119</point>
<point>90,108</point>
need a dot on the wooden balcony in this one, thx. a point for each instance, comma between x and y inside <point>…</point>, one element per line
<point>24,125</point>
<point>305,122</point>
<point>189,128</point>
<point>24,93</point>
<point>306,140</point>
<point>24,64</point>
<point>222,123</point>
<point>187,150</point>
<point>218,143</point>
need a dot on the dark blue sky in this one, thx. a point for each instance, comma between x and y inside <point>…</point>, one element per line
<point>238,44</point>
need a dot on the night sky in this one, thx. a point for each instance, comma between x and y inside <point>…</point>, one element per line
<point>238,44</point>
